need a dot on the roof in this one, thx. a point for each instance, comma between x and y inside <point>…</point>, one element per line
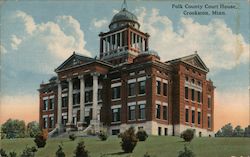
<point>193,60</point>
<point>78,60</point>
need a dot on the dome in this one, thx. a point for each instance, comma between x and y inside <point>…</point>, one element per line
<point>124,17</point>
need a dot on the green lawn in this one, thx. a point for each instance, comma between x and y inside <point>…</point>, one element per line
<point>155,146</point>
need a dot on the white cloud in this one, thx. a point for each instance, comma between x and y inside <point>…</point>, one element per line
<point>44,46</point>
<point>15,41</point>
<point>215,42</point>
<point>27,20</point>
<point>2,49</point>
<point>99,23</point>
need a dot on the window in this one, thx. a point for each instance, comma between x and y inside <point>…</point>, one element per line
<point>199,96</point>
<point>192,94</point>
<point>64,101</point>
<point>45,122</point>
<point>115,131</point>
<point>192,81</point>
<point>51,122</point>
<point>199,83</point>
<point>186,115</point>
<point>158,87</point>
<point>186,78</point>
<point>99,94</point>
<point>159,131</point>
<point>76,98</point>
<point>131,113</point>
<point>116,115</point>
<point>193,116</point>
<point>45,105</point>
<point>131,89</point>
<point>165,89</point>
<point>51,103</point>
<point>132,74</point>
<point>142,87</point>
<point>186,92</point>
<point>209,122</point>
<point>166,131</point>
<point>88,96</point>
<point>116,92</point>
<point>158,111</point>
<point>142,72</point>
<point>199,117</point>
<point>165,112</point>
<point>209,102</point>
<point>142,111</point>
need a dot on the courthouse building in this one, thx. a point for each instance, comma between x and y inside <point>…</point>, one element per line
<point>128,85</point>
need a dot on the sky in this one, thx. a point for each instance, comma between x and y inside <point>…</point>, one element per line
<point>37,36</point>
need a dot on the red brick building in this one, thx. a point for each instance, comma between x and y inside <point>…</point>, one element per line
<point>128,85</point>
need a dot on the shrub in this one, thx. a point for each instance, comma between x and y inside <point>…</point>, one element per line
<point>141,135</point>
<point>187,135</point>
<point>3,153</point>
<point>103,135</point>
<point>80,150</point>
<point>186,153</point>
<point>29,152</point>
<point>72,137</point>
<point>59,152</point>
<point>40,140</point>
<point>129,140</point>
<point>13,154</point>
<point>146,155</point>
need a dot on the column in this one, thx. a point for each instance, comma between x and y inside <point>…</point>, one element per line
<point>111,43</point>
<point>121,39</point>
<point>115,46</point>
<point>70,103</point>
<point>82,98</point>
<point>132,39</point>
<point>104,45</point>
<point>59,106</point>
<point>95,95</point>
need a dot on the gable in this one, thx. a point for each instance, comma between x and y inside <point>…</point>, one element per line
<point>74,60</point>
<point>195,61</point>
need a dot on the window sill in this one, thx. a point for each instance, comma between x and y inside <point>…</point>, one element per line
<point>132,120</point>
<point>132,96</point>
<point>116,99</point>
<point>116,122</point>
<point>142,94</point>
<point>141,119</point>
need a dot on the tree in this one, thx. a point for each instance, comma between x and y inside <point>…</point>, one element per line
<point>41,138</point>
<point>227,130</point>
<point>247,131</point>
<point>187,135</point>
<point>59,152</point>
<point>142,135</point>
<point>29,152</point>
<point>33,129</point>
<point>80,150</point>
<point>218,134</point>
<point>186,153</point>
<point>14,128</point>
<point>129,140</point>
<point>238,131</point>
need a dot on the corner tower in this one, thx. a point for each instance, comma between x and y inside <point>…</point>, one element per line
<point>124,40</point>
